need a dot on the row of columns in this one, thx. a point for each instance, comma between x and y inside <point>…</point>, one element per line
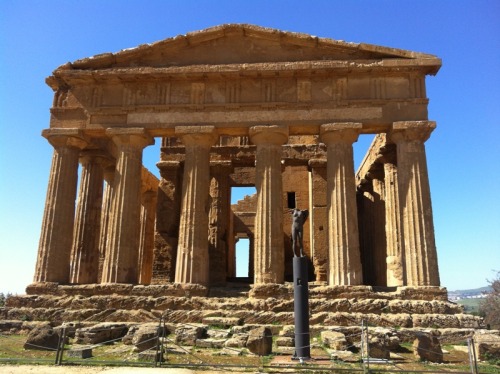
<point>122,230</point>
<point>71,244</point>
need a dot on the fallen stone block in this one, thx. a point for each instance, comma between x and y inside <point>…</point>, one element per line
<point>427,347</point>
<point>260,341</point>
<point>42,338</point>
<point>79,353</point>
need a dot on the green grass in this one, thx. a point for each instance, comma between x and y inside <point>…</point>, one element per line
<point>470,305</point>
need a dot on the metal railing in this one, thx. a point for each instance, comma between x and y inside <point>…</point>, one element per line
<point>160,345</point>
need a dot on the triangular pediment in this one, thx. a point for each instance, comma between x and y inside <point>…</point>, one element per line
<point>241,44</point>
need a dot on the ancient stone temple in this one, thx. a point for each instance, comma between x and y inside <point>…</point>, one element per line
<point>239,105</point>
<point>232,106</point>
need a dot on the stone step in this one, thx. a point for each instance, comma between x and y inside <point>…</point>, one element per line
<point>59,315</point>
<point>316,305</point>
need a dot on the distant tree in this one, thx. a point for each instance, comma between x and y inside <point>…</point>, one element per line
<point>3,298</point>
<point>490,306</point>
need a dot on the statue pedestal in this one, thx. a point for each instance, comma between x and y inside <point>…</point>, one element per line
<point>301,309</point>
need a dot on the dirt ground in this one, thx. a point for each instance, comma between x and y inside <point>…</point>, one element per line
<point>42,369</point>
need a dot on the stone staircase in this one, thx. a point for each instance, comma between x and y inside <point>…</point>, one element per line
<point>404,307</point>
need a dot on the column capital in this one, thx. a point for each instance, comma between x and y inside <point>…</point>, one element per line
<point>197,135</point>
<point>134,136</point>
<point>272,135</point>
<point>72,138</point>
<point>317,163</point>
<point>340,132</point>
<point>97,155</point>
<point>407,131</point>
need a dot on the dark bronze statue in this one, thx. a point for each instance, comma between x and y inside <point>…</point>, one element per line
<point>299,217</point>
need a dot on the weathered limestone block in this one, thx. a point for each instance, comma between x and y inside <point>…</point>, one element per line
<point>470,321</point>
<point>285,341</point>
<point>187,335</point>
<point>342,291</point>
<point>378,347</point>
<point>389,335</point>
<point>487,344</point>
<point>334,340</point>
<point>210,343</point>
<point>79,353</point>
<point>219,334</point>
<point>42,338</point>
<point>427,347</point>
<point>287,331</point>
<point>41,288</point>
<point>237,341</point>
<point>127,339</point>
<point>260,341</point>
<point>327,305</point>
<point>146,336</point>
<point>264,291</point>
<point>421,293</point>
<point>367,306</point>
<point>69,329</point>
<point>224,322</point>
<point>422,307</point>
<point>454,335</point>
<point>100,333</point>
<point>435,320</point>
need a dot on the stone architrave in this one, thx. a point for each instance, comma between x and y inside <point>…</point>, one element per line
<point>146,241</point>
<point>269,245</point>
<point>192,252</point>
<point>415,201</point>
<point>54,249</point>
<point>343,240</point>
<point>85,252</point>
<point>109,174</point>
<point>120,264</point>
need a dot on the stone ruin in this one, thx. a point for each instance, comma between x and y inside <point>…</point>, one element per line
<point>239,105</point>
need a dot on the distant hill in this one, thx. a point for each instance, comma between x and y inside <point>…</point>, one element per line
<point>474,293</point>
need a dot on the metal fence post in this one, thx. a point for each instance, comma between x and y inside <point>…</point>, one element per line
<point>472,356</point>
<point>60,347</point>
<point>157,343</point>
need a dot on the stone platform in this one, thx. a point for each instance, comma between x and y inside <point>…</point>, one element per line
<point>405,307</point>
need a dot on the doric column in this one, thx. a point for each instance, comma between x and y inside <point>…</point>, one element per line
<point>343,239</point>
<point>109,174</point>
<point>167,221</point>
<point>393,226</point>
<point>85,250</point>
<point>269,246</point>
<point>57,226</point>
<point>147,237</point>
<point>192,253</point>
<point>120,264</point>
<point>220,193</point>
<point>317,218</point>
<point>415,199</point>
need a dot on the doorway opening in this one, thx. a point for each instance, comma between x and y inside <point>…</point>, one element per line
<point>242,257</point>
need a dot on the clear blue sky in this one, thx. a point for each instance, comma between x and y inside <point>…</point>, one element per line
<point>463,153</point>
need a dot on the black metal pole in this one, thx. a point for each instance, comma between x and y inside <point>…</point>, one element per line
<point>301,309</point>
